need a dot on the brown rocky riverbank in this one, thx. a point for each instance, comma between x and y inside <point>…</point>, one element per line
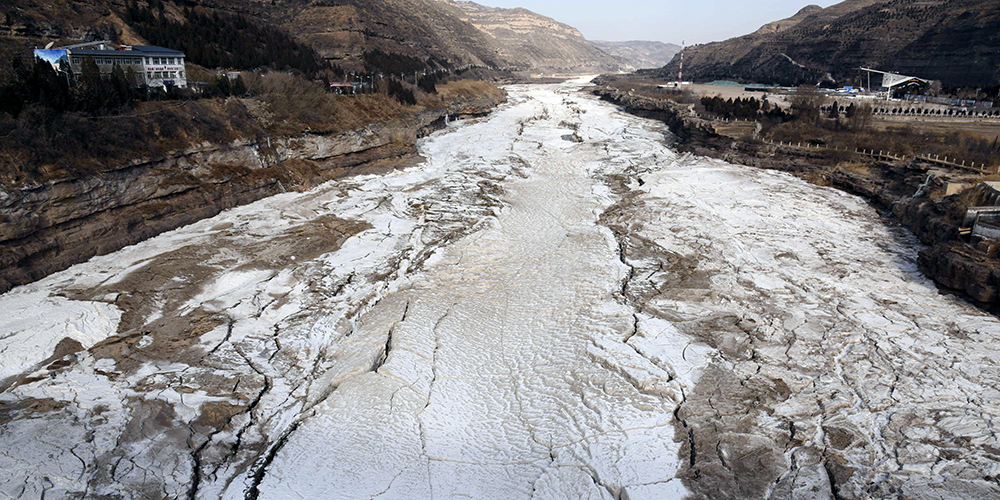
<point>52,225</point>
<point>910,191</point>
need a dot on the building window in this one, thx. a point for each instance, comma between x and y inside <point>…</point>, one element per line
<point>180,74</point>
<point>149,60</point>
<point>149,75</point>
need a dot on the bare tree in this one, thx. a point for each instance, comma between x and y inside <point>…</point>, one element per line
<point>861,118</point>
<point>806,102</point>
<point>935,88</point>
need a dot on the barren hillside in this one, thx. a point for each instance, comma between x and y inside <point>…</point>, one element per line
<point>957,42</point>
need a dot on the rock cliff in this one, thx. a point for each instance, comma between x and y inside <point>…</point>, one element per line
<point>681,119</point>
<point>48,227</point>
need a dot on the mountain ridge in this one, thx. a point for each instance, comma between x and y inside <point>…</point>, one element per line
<point>341,31</point>
<point>531,40</point>
<point>640,53</point>
<point>956,41</point>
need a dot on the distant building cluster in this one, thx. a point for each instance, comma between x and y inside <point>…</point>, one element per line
<point>948,101</point>
<point>152,66</point>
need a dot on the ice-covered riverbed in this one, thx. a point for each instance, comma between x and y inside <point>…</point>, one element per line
<point>553,305</point>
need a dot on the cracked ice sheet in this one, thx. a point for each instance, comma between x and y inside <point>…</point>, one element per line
<point>289,322</point>
<point>507,378</point>
<point>34,322</point>
<point>839,314</point>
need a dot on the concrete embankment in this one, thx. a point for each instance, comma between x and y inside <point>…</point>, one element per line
<point>893,187</point>
<point>50,226</point>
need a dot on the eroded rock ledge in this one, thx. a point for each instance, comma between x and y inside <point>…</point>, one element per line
<point>894,188</point>
<point>49,227</point>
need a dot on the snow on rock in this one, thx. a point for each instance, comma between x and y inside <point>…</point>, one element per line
<point>35,322</point>
<point>840,369</point>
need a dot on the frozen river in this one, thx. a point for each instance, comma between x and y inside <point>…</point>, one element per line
<point>555,304</point>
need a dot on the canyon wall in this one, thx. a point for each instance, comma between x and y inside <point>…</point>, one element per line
<point>51,226</point>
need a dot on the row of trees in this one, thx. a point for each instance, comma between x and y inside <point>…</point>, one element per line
<point>401,93</point>
<point>377,61</point>
<point>749,108</point>
<point>807,106</point>
<point>428,83</point>
<point>91,92</point>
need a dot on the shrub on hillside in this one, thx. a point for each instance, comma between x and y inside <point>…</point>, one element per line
<point>377,61</point>
<point>401,93</point>
<point>428,83</point>
<point>225,40</point>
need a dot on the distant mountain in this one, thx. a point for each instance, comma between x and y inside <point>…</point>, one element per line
<point>955,41</point>
<point>530,40</point>
<point>640,54</point>
<point>341,31</point>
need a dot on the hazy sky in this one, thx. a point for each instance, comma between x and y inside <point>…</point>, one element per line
<point>697,21</point>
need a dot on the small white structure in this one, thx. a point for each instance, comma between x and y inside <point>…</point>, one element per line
<point>892,80</point>
<point>673,85</point>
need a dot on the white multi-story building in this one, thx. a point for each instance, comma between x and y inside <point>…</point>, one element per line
<point>152,66</point>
